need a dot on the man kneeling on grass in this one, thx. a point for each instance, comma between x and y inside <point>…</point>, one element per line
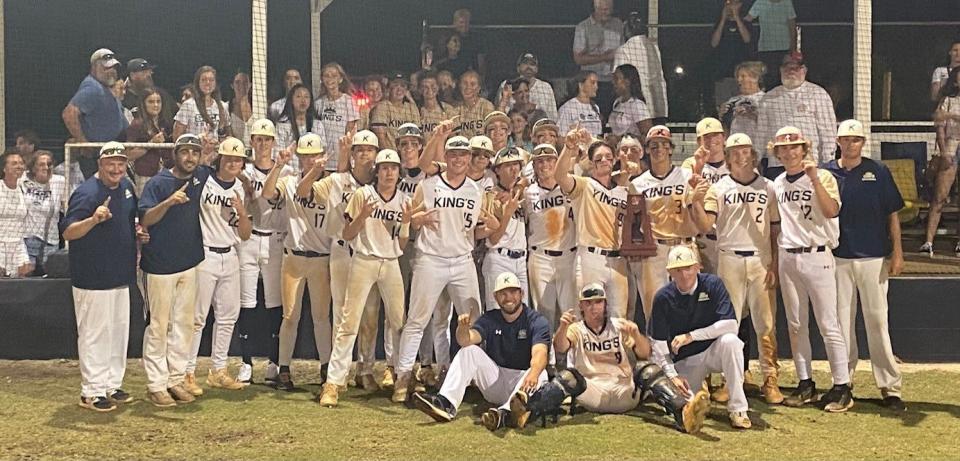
<point>512,360</point>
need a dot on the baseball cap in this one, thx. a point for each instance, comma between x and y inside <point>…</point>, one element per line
<point>737,140</point>
<point>528,57</point>
<point>232,147</point>
<point>409,130</point>
<point>310,144</point>
<point>544,124</point>
<point>628,140</point>
<point>495,116</point>
<point>708,125</point>
<point>793,58</point>
<point>387,156</point>
<point>850,128</point>
<point>483,143</point>
<point>109,57</point>
<point>138,64</point>
<point>788,135</point>
<point>458,143</point>
<point>506,280</point>
<point>593,291</point>
<point>113,149</point>
<point>264,127</point>
<point>659,131</point>
<point>681,256</point>
<point>365,138</point>
<point>545,150</point>
<point>188,140</point>
<point>507,155</point>
<point>397,76</point>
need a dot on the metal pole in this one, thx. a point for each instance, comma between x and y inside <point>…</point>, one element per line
<point>862,48</point>
<point>3,96</point>
<point>258,75</point>
<point>316,7</point>
<point>653,19</point>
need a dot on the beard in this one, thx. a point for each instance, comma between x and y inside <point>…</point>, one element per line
<point>792,83</point>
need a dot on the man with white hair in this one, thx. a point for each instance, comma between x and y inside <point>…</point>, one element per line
<point>595,41</point>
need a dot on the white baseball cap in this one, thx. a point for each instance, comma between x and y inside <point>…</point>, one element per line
<point>788,135</point>
<point>495,116</point>
<point>457,143</point>
<point>506,280</point>
<point>188,140</point>
<point>365,138</point>
<point>709,125</point>
<point>113,149</point>
<point>232,147</point>
<point>628,140</point>
<point>681,256</point>
<point>409,130</point>
<point>310,144</point>
<point>545,150</point>
<point>544,124</point>
<point>507,155</point>
<point>850,128</point>
<point>659,131</point>
<point>737,140</point>
<point>109,57</point>
<point>483,143</point>
<point>593,291</point>
<point>264,127</point>
<point>387,156</point>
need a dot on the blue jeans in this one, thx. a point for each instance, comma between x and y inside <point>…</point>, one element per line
<point>34,244</point>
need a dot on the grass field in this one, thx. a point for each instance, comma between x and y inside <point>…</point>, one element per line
<point>40,419</point>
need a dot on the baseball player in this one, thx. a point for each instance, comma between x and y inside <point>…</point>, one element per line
<point>694,332</point>
<point>482,156</point>
<point>261,255</point>
<point>170,209</point>
<point>543,131</point>
<point>99,224</point>
<point>473,108</point>
<point>306,252</point>
<point>809,203</point>
<point>708,162</point>
<point>394,110</point>
<point>224,223</point>
<point>869,232</point>
<point>598,204</point>
<point>432,110</point>
<point>444,249</point>
<point>668,192</point>
<point>496,126</point>
<point>504,352</point>
<point>742,209</point>
<point>507,245</point>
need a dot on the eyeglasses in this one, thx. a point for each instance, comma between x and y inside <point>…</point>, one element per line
<point>110,152</point>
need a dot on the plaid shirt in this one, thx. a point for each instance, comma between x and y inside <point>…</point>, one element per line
<point>808,108</point>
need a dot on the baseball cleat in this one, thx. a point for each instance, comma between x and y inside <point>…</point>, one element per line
<point>121,396</point>
<point>519,413</point>
<point>841,399</point>
<point>368,383</point>
<point>695,411</point>
<point>740,420</point>
<point>495,418</point>
<point>771,391</point>
<point>330,395</point>
<point>894,403</point>
<point>181,394</point>
<point>190,384</point>
<point>927,248</point>
<point>99,404</point>
<point>245,374</point>
<point>400,388</point>
<point>389,378</point>
<point>272,372</point>
<point>435,406</point>
<point>284,381</point>
<point>221,379</point>
<point>162,399</point>
<point>805,393</point>
<point>722,394</point>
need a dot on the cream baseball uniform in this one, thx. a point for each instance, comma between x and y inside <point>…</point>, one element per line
<point>509,254</point>
<point>552,243</point>
<point>707,243</point>
<point>670,221</point>
<point>744,215</point>
<point>375,252</point>
<point>601,357</point>
<point>261,255</point>
<point>471,117</point>
<point>598,214</point>
<point>390,116</point>
<point>808,272</point>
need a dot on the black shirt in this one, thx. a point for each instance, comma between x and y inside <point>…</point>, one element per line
<point>675,313</point>
<point>509,344</point>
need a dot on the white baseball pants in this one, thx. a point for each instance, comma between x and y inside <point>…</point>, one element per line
<point>103,330</point>
<point>743,277</point>
<point>261,256</point>
<point>171,300</point>
<point>497,384</point>
<point>218,283</point>
<point>611,272</point>
<point>297,273</point>
<point>495,264</point>
<point>606,396</point>
<point>725,356</point>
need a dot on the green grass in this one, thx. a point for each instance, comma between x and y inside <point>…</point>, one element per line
<point>40,419</point>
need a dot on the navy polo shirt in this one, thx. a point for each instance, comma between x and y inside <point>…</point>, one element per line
<point>101,115</point>
<point>869,196</point>
<point>106,257</point>
<point>675,313</point>
<point>176,243</point>
<point>509,344</point>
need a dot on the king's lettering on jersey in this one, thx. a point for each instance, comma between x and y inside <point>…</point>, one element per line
<point>454,202</point>
<point>745,197</point>
<point>601,346</point>
<point>606,199</point>
<point>386,215</point>
<point>549,202</point>
<point>663,191</point>
<point>215,199</point>
<point>795,196</point>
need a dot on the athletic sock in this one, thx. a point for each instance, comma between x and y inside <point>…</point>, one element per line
<point>276,319</point>
<point>244,326</point>
<point>745,336</point>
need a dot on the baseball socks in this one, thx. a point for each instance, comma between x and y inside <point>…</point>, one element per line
<point>244,326</point>
<point>276,319</point>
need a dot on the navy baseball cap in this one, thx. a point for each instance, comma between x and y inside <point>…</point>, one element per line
<point>138,64</point>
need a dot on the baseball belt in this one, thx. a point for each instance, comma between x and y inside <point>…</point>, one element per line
<point>553,253</point>
<point>220,250</point>
<point>819,249</point>
<point>604,252</point>
<point>260,233</point>
<point>512,254</point>
<point>305,254</point>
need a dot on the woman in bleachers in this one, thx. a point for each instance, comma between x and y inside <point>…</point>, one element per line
<point>947,121</point>
<point>44,194</point>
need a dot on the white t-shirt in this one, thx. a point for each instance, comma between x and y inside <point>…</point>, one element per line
<point>335,116</point>
<point>44,202</point>
<point>13,212</point>
<point>574,111</point>
<point>190,116</point>
<point>626,115</point>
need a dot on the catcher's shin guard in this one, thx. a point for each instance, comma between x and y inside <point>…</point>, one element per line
<point>546,400</point>
<point>688,415</point>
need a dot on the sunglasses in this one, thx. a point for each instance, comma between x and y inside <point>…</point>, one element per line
<point>458,144</point>
<point>593,293</point>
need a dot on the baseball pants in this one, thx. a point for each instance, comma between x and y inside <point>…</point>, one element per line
<point>297,273</point>
<point>103,330</point>
<point>743,276</point>
<point>605,396</point>
<point>725,356</point>
<point>811,278</point>
<point>708,252</point>
<point>427,343</point>
<point>497,384</point>
<point>218,283</point>
<point>171,300</point>
<point>366,273</point>
<point>341,257</point>
<point>261,256</point>
<point>495,264</point>
<point>553,286</point>
<point>611,271</point>
<point>651,274</point>
<point>431,275</point>
<point>868,276</point>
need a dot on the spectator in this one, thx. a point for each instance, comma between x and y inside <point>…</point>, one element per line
<point>373,87</point>
<point>471,50</point>
<point>801,104</point>
<point>139,80</point>
<point>941,73</point>
<point>630,114</point>
<point>947,121</point>
<point>94,114</point>
<point>778,33</point>
<point>300,117</point>
<point>119,90</point>
<point>27,143</point>
<point>45,195</point>
<point>453,60</point>
<point>473,108</point>
<point>397,109</point>
<point>433,111</point>
<point>14,261</point>
<point>581,109</point>
<point>291,77</point>
<point>739,113</point>
<point>241,106</point>
<point>211,124</point>
<point>731,46</point>
<point>448,87</point>
<point>595,42</point>
<point>337,110</point>
<point>519,134</point>
<point>540,93</point>
<point>643,53</point>
<point>186,92</point>
<point>518,91</point>
<point>149,126</point>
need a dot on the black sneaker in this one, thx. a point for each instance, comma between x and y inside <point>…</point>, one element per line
<point>805,393</point>
<point>894,403</point>
<point>121,396</point>
<point>495,418</point>
<point>284,382</point>
<point>435,406</point>
<point>100,404</point>
<point>841,399</point>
